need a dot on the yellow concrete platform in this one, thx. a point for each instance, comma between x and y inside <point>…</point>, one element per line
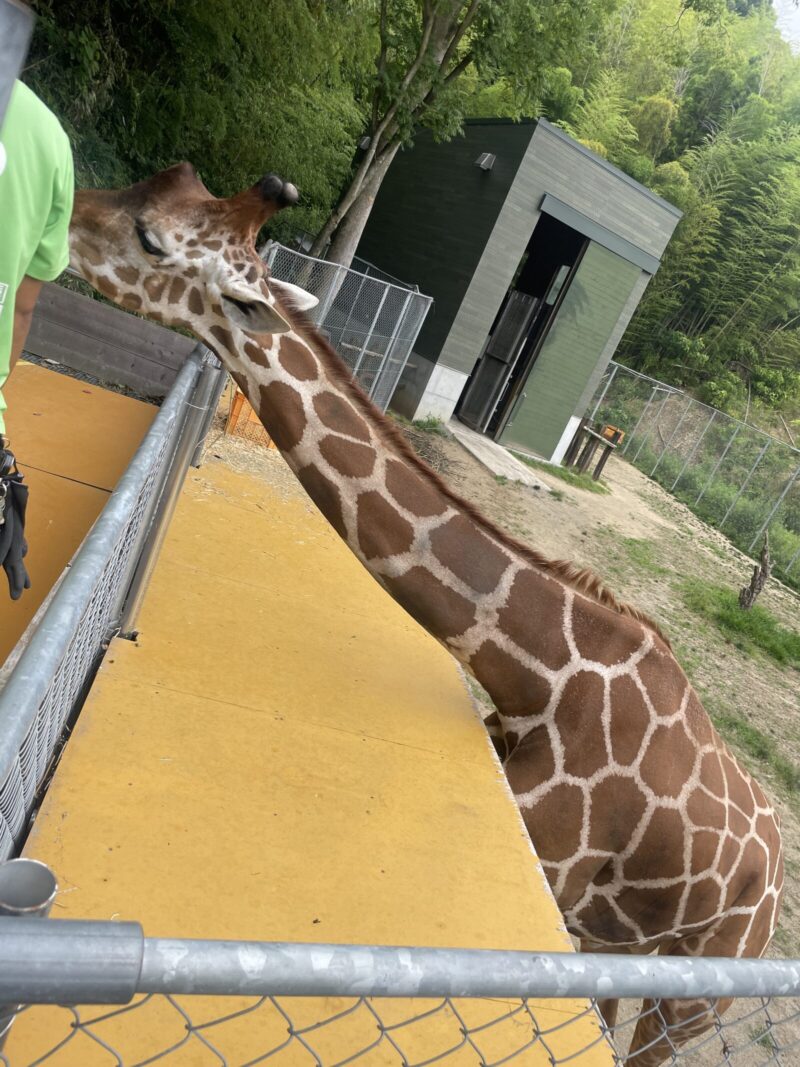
<point>286,755</point>
<point>72,441</point>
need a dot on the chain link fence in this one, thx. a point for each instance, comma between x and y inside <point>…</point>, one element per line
<point>245,1003</point>
<point>732,475</point>
<point>370,319</point>
<point>48,673</point>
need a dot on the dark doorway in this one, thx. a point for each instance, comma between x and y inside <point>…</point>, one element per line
<point>521,325</point>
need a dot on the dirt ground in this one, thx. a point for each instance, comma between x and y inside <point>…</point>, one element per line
<point>646,546</point>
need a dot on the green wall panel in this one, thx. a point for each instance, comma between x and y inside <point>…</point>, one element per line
<point>577,342</point>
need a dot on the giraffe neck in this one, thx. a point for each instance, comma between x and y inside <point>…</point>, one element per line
<point>509,615</point>
<point>408,530</point>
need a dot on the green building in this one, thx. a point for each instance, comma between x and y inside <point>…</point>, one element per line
<point>536,252</point>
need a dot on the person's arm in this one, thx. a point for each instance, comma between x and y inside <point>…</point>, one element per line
<point>25,302</point>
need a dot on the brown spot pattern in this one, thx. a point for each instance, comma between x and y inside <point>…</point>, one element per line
<point>617,808</point>
<point>629,720</point>
<point>602,635</point>
<point>349,458</point>
<point>668,761</point>
<point>281,411</point>
<point>324,493</point>
<point>461,547</point>
<point>297,360</point>
<point>339,415</point>
<point>382,531</point>
<point>129,275</point>
<point>576,719</point>
<point>195,301</point>
<point>412,491</point>
<point>531,601</point>
<point>532,762</point>
<point>441,610</point>
<point>176,290</point>
<point>556,838</point>
<point>256,354</point>
<point>514,689</point>
<point>659,854</point>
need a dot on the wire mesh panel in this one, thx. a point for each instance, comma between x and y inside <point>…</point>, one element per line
<point>732,475</point>
<point>53,671</point>
<point>370,319</point>
<point>333,1031</point>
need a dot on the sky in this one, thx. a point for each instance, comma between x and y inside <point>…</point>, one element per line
<point>789,20</point>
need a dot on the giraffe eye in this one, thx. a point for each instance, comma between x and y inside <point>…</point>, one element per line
<point>147,244</point>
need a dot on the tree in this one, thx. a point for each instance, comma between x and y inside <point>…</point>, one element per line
<point>424,48</point>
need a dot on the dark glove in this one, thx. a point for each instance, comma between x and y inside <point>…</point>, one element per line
<point>13,546</point>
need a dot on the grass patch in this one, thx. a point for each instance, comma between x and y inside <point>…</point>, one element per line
<point>640,552</point>
<point>431,424</point>
<point>565,474</point>
<point>743,735</point>
<point>750,631</point>
<point>762,1035</point>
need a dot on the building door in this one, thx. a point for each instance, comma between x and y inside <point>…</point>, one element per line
<point>499,357</point>
<point>585,331</point>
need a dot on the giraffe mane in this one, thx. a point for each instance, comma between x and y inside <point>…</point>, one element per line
<point>582,579</point>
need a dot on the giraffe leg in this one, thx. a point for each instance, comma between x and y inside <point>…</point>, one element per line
<point>665,1025</point>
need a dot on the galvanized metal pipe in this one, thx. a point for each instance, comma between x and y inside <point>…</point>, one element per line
<point>93,962</point>
<point>169,497</point>
<point>606,387</point>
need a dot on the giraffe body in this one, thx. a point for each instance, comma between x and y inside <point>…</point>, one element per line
<point>650,833</point>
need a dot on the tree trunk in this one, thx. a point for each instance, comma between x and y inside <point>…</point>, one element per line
<point>348,234</point>
<point>761,572</point>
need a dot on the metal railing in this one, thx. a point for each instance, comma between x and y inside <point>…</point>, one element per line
<point>734,476</point>
<point>98,596</point>
<point>371,322</point>
<point>251,1002</point>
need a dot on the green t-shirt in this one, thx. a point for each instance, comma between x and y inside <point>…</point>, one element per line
<point>36,187</point>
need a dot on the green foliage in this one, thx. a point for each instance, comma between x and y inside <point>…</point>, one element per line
<point>752,631</point>
<point>238,88</point>
<point>431,424</point>
<point>756,744</point>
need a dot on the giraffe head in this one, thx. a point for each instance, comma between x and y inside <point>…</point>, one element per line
<point>169,249</point>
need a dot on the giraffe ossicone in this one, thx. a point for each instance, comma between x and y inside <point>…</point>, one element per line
<point>651,835</point>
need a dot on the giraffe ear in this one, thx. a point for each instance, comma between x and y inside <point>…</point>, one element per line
<point>254,316</point>
<point>297,298</point>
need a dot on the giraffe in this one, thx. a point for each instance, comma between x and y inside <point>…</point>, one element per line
<point>651,835</point>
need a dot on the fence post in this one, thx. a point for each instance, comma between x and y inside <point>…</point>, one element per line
<point>369,333</point>
<point>168,498</point>
<point>216,391</point>
<point>678,425</point>
<point>606,387</point>
<point>775,507</point>
<point>392,343</point>
<point>646,437</point>
<point>693,452</point>
<point>329,297</point>
<point>639,420</point>
<point>27,889</point>
<point>744,484</point>
<point>792,562</point>
<point>718,464</point>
